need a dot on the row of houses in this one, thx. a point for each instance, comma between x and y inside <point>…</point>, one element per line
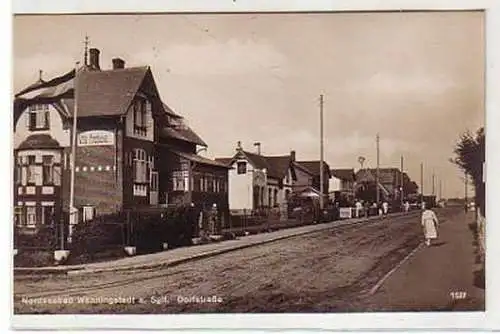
<point>133,152</point>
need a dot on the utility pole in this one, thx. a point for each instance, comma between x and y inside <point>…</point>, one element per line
<point>321,166</point>
<point>440,189</point>
<point>433,185</point>
<point>402,191</point>
<point>377,176</point>
<point>72,209</point>
<point>421,182</point>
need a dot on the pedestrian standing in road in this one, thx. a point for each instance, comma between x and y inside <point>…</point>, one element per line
<point>407,206</point>
<point>385,208</point>
<point>430,225</point>
<point>359,207</point>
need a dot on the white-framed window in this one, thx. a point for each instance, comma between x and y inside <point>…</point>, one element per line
<point>141,109</point>
<point>31,218</point>
<point>19,216</point>
<point>47,214</point>
<point>241,167</point>
<point>48,169</point>
<point>39,117</point>
<point>88,213</point>
<point>34,171</point>
<point>202,183</point>
<point>154,181</point>
<point>140,190</point>
<point>180,180</point>
<point>18,171</point>
<point>140,166</point>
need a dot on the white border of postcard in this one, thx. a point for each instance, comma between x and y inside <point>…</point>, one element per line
<point>360,321</point>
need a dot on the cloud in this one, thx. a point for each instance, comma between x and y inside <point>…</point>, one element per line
<point>234,57</point>
<point>409,82</point>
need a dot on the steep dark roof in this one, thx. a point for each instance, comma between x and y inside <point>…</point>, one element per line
<point>315,167</point>
<point>185,134</point>
<point>276,166</point>
<point>346,174</point>
<point>107,93</point>
<point>225,161</point>
<point>39,141</point>
<point>199,159</point>
<point>178,129</point>
<point>104,93</point>
<point>279,165</point>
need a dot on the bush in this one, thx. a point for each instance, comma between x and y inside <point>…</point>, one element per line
<point>174,226</point>
<point>34,259</point>
<point>44,237</point>
<point>103,233</point>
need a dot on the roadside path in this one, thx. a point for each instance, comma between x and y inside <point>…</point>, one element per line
<point>439,277</point>
<point>184,254</point>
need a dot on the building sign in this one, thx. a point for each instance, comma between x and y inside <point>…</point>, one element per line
<point>96,138</point>
<point>345,213</point>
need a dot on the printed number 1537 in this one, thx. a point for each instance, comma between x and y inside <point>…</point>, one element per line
<point>458,295</point>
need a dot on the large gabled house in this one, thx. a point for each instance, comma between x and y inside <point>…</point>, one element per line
<point>257,181</point>
<point>132,151</point>
<point>390,182</point>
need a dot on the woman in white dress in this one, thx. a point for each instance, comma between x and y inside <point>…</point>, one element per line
<point>430,225</point>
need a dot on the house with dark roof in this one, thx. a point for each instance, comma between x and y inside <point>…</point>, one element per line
<point>259,181</point>
<point>132,150</point>
<point>391,182</point>
<point>342,182</point>
<point>313,169</point>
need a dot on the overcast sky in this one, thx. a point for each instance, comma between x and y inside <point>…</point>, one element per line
<point>416,78</point>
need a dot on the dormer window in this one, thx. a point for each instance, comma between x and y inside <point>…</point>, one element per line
<point>39,117</point>
<point>141,107</point>
<point>242,167</point>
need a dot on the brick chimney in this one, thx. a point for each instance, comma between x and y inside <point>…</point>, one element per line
<point>292,155</point>
<point>118,63</point>
<point>257,144</point>
<point>94,59</point>
<point>238,146</point>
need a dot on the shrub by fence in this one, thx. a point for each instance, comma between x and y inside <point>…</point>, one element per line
<point>147,230</point>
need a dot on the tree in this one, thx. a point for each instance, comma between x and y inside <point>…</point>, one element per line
<point>469,157</point>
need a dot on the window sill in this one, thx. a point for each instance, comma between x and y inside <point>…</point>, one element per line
<point>39,129</point>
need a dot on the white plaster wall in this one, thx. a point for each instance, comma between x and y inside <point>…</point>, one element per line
<point>56,131</point>
<point>334,184</point>
<point>240,188</point>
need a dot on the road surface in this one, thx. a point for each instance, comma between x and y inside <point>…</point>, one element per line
<point>328,271</point>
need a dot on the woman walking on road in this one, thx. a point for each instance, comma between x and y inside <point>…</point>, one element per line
<point>430,225</point>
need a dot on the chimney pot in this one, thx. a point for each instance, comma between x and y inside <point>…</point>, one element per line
<point>258,147</point>
<point>238,146</point>
<point>94,59</point>
<point>118,63</point>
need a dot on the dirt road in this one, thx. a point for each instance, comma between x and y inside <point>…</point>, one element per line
<point>325,271</point>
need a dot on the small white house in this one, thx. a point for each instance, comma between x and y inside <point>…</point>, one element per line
<point>257,181</point>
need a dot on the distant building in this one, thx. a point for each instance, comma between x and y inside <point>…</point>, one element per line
<point>342,183</point>
<point>257,181</point>
<point>389,182</point>
<point>313,168</point>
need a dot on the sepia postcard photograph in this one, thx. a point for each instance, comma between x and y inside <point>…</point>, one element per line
<point>249,163</point>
